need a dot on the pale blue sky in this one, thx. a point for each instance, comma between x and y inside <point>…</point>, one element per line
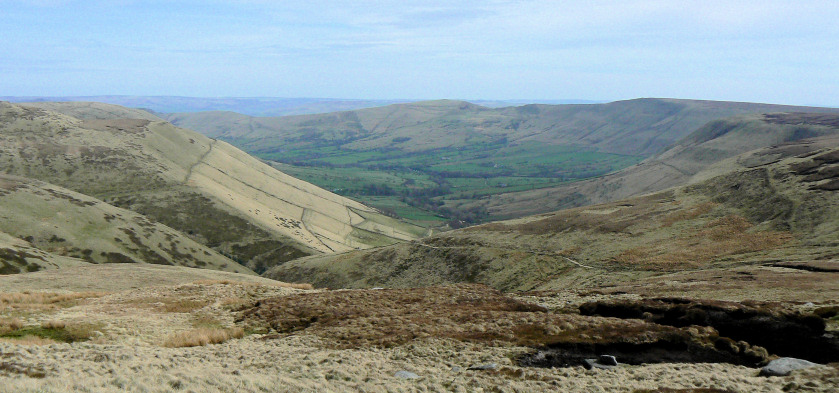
<point>766,51</point>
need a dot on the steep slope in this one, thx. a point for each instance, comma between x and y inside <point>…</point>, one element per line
<point>217,194</point>
<point>751,212</point>
<point>711,143</point>
<point>46,226</point>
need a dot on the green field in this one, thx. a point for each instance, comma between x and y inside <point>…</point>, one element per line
<point>418,185</point>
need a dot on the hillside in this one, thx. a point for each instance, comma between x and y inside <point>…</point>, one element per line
<point>207,189</point>
<point>86,110</point>
<point>254,106</point>
<point>45,226</point>
<point>158,328</point>
<point>754,211</point>
<point>677,165</point>
<point>432,161</point>
<point>633,127</point>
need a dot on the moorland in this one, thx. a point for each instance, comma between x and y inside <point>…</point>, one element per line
<point>144,257</point>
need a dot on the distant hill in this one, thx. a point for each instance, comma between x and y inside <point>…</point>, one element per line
<point>640,126</point>
<point>770,206</point>
<point>218,195</point>
<point>457,162</point>
<point>254,106</point>
<point>94,110</point>
<point>711,143</point>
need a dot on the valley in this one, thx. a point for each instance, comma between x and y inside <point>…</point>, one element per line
<point>140,256</point>
<point>453,163</point>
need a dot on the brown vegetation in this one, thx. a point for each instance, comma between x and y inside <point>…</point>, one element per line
<point>43,300</point>
<point>202,336</point>
<point>304,286</point>
<point>476,314</point>
<point>728,235</point>
<point>28,340</point>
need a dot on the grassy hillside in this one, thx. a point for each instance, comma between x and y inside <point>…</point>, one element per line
<point>94,110</point>
<point>45,226</point>
<point>429,159</point>
<point>215,193</point>
<point>752,211</point>
<point>254,106</point>
<point>678,165</point>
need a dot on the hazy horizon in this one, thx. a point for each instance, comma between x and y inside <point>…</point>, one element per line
<point>776,52</point>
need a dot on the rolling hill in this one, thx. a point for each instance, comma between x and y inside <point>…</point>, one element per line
<point>633,127</point>
<point>45,226</point>
<point>216,194</point>
<point>767,209</point>
<point>254,106</point>
<point>438,160</point>
<point>677,165</point>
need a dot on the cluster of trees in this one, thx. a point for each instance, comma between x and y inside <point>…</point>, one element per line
<point>426,199</point>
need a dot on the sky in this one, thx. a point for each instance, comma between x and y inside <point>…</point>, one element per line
<point>784,52</point>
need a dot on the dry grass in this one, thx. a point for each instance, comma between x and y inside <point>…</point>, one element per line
<point>687,214</point>
<point>28,340</point>
<point>280,284</point>
<point>726,236</point>
<point>202,336</point>
<point>53,324</point>
<point>469,313</point>
<point>43,300</point>
<point>170,303</point>
<point>7,324</point>
<point>690,390</point>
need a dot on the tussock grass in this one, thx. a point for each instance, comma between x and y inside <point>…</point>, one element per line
<point>53,324</point>
<point>729,235</point>
<point>690,390</point>
<point>43,300</point>
<point>202,336</point>
<point>8,324</point>
<point>243,283</point>
<point>57,331</point>
<point>470,313</point>
<point>687,214</point>
<point>28,340</point>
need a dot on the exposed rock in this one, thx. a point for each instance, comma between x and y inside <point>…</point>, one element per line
<point>487,366</point>
<point>780,332</point>
<point>405,375</point>
<point>596,363</point>
<point>784,366</point>
<point>608,360</point>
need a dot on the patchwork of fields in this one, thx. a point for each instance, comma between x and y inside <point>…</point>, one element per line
<point>427,187</point>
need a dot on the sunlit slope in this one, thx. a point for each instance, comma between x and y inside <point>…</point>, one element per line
<point>50,226</point>
<point>637,127</point>
<point>747,214</point>
<point>677,165</point>
<point>217,194</point>
<point>93,110</point>
<point>18,256</point>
